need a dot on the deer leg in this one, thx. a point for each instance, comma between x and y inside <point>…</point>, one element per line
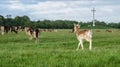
<point>36,40</point>
<point>78,46</point>
<point>81,44</point>
<point>2,32</point>
<point>30,37</point>
<point>90,47</point>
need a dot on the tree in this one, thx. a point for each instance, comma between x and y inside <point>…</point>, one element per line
<point>58,24</point>
<point>18,21</point>
<point>2,20</point>
<point>26,21</point>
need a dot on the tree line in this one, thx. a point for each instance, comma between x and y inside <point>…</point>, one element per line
<point>24,21</point>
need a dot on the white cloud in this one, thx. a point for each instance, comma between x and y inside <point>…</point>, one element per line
<point>16,5</point>
<point>70,10</point>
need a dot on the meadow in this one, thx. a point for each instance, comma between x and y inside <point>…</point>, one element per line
<point>58,49</point>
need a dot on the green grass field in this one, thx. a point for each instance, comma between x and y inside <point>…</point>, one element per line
<point>58,49</point>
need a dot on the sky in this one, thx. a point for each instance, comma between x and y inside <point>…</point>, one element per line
<point>77,10</point>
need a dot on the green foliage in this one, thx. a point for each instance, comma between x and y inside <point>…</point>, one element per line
<point>2,20</point>
<point>9,22</point>
<point>114,25</point>
<point>56,24</point>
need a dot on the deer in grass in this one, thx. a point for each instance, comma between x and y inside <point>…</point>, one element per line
<point>83,35</point>
<point>32,33</point>
<point>109,31</point>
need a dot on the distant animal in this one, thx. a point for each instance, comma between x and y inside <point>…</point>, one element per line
<point>2,30</point>
<point>6,29</point>
<point>83,35</point>
<point>109,31</point>
<point>50,30</point>
<point>14,29</point>
<point>97,30</point>
<point>32,33</point>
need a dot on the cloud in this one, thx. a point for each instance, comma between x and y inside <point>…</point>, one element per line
<point>63,9</point>
<point>15,5</point>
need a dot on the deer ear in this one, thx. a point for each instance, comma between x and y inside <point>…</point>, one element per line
<point>74,24</point>
<point>78,25</point>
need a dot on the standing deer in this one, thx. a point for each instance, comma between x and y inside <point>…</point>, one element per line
<point>32,33</point>
<point>2,30</point>
<point>81,35</point>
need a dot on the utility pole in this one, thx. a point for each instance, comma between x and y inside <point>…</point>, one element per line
<point>93,10</point>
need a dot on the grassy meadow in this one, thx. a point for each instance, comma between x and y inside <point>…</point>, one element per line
<point>58,49</point>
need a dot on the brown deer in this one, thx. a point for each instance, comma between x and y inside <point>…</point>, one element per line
<point>109,31</point>
<point>32,33</point>
<point>81,35</point>
<point>2,30</point>
<point>97,30</point>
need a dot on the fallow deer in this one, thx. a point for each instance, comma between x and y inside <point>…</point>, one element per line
<point>109,31</point>
<point>2,30</point>
<point>97,30</point>
<point>6,29</point>
<point>32,33</point>
<point>81,35</point>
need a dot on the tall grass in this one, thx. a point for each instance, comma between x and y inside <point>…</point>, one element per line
<point>58,49</point>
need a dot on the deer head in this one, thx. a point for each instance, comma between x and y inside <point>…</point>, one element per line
<point>76,27</point>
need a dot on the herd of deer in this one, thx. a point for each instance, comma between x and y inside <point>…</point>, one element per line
<point>34,33</point>
<point>31,32</point>
<point>110,31</point>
